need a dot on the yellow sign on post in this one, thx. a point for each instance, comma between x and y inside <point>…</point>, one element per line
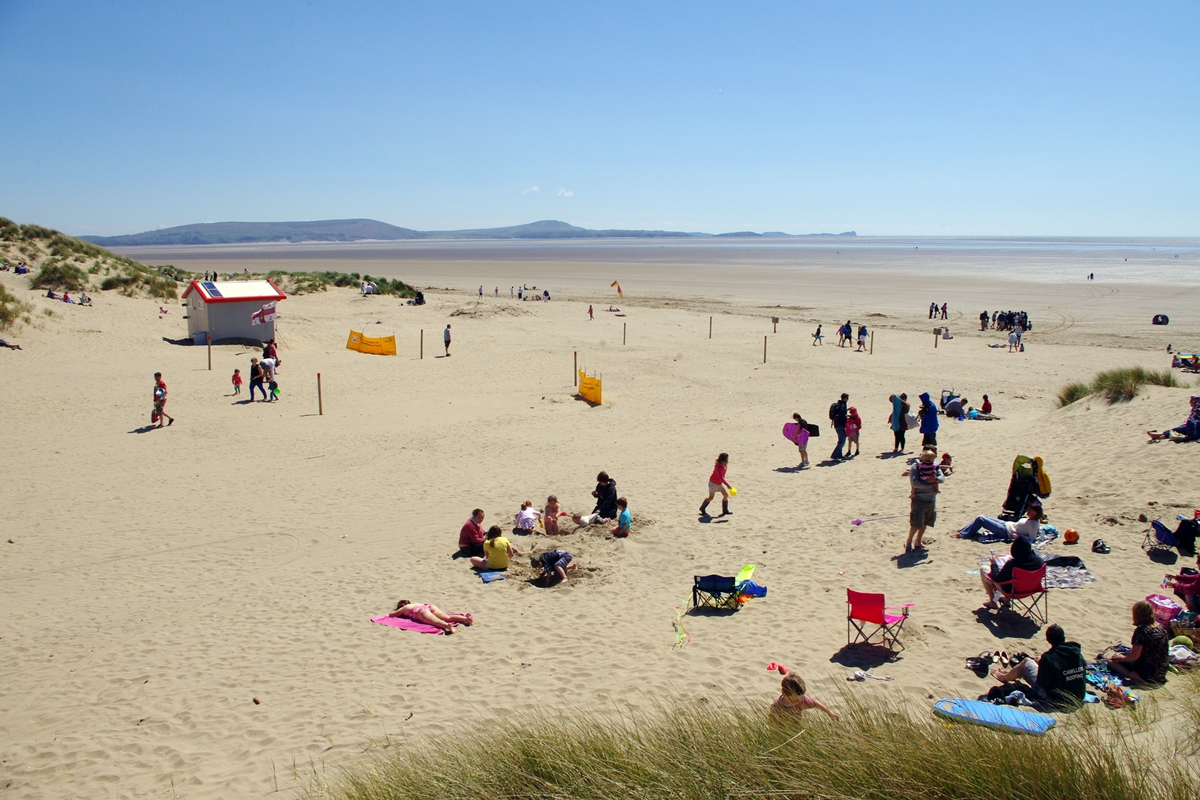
<point>589,388</point>
<point>382,346</point>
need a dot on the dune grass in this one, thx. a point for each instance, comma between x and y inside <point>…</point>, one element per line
<point>309,282</point>
<point>59,275</point>
<point>706,751</point>
<point>1117,385</point>
<point>11,309</point>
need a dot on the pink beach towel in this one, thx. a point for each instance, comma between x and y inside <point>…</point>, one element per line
<point>406,624</point>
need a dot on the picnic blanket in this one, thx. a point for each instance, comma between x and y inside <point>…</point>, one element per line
<point>406,624</point>
<point>1062,572</point>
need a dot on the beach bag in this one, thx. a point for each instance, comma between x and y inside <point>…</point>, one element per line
<point>154,415</point>
<point>1165,609</point>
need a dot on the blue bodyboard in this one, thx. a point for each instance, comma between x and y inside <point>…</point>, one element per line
<point>488,577</point>
<point>1004,718</point>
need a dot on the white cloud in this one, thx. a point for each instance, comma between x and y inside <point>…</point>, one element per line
<point>531,190</point>
<point>565,193</point>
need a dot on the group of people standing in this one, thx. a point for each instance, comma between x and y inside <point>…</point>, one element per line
<point>1005,321</point>
<point>935,310</point>
<point>262,374</point>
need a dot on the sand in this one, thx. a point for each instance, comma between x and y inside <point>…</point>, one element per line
<point>159,582</point>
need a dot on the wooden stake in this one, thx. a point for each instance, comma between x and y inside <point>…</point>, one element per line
<point>623,324</point>
<point>575,373</point>
<point>710,327</point>
<point>422,343</point>
<point>774,325</point>
<point>320,405</point>
<point>935,338</point>
<point>209,337</point>
<point>872,343</point>
<point>764,349</point>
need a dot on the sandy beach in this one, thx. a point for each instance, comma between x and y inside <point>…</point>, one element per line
<point>188,609</point>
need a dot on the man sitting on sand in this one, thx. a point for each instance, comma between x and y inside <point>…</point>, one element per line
<point>1056,679</point>
<point>551,563</point>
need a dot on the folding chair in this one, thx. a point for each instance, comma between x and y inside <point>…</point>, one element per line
<point>1159,537</point>
<point>714,591</point>
<point>864,608</point>
<point>1027,594</point>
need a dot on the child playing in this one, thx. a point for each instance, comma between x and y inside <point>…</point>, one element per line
<point>801,440</point>
<point>550,516</point>
<point>237,381</point>
<point>793,698</point>
<point>623,519</point>
<point>853,426</point>
<point>717,483</point>
<point>527,518</point>
<point>947,465</point>
<point>551,563</point>
<point>496,551</point>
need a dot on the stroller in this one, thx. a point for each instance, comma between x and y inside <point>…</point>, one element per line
<point>1029,481</point>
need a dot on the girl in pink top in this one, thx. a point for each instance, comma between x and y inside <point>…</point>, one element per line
<point>717,483</point>
<point>853,426</point>
<point>793,698</point>
<point>801,439</point>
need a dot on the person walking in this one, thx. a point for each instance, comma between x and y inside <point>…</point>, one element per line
<point>899,421</point>
<point>838,412</point>
<point>929,421</point>
<point>481,291</point>
<point>718,483</point>
<point>256,379</point>
<point>591,315</point>
<point>446,339</point>
<point>160,400</point>
<point>944,310</point>
<point>817,337</point>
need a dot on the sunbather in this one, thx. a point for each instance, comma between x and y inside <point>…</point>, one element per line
<point>990,529</point>
<point>9,345</point>
<point>431,615</point>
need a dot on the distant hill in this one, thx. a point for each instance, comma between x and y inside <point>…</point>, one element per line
<point>358,230</point>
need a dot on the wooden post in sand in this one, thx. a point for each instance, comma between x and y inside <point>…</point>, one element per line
<point>320,405</point>
<point>872,343</point>
<point>422,344</point>
<point>623,324</point>
<point>764,349</point>
<point>575,372</point>
<point>208,336</point>
<point>710,327</point>
<point>936,332</point>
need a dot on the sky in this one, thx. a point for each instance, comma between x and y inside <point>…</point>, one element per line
<point>1022,119</point>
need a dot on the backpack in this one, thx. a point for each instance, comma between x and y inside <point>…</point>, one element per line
<point>833,412</point>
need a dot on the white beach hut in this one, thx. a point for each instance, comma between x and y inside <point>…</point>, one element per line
<point>228,309</point>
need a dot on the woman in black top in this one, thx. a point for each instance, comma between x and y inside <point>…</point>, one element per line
<point>1023,557</point>
<point>606,496</point>
<point>1146,660</point>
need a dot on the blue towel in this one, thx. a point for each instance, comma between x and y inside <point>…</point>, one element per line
<point>488,577</point>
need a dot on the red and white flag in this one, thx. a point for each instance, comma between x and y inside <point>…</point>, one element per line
<point>264,314</point>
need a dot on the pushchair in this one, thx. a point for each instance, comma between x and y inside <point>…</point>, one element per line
<point>1029,482</point>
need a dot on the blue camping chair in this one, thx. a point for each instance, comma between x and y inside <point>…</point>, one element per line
<point>714,591</point>
<point>1159,537</point>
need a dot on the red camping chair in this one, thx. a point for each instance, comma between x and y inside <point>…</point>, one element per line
<point>864,608</point>
<point>1028,594</point>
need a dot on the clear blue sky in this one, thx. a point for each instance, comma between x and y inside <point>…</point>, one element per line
<point>886,118</point>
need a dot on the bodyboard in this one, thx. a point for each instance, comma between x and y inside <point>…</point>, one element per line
<point>1004,718</point>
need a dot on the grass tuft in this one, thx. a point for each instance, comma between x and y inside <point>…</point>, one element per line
<point>1072,392</point>
<point>309,282</point>
<point>60,275</point>
<point>1117,385</point>
<point>711,751</point>
<point>11,309</point>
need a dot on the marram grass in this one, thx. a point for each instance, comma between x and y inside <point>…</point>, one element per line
<point>1117,385</point>
<point>706,751</point>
